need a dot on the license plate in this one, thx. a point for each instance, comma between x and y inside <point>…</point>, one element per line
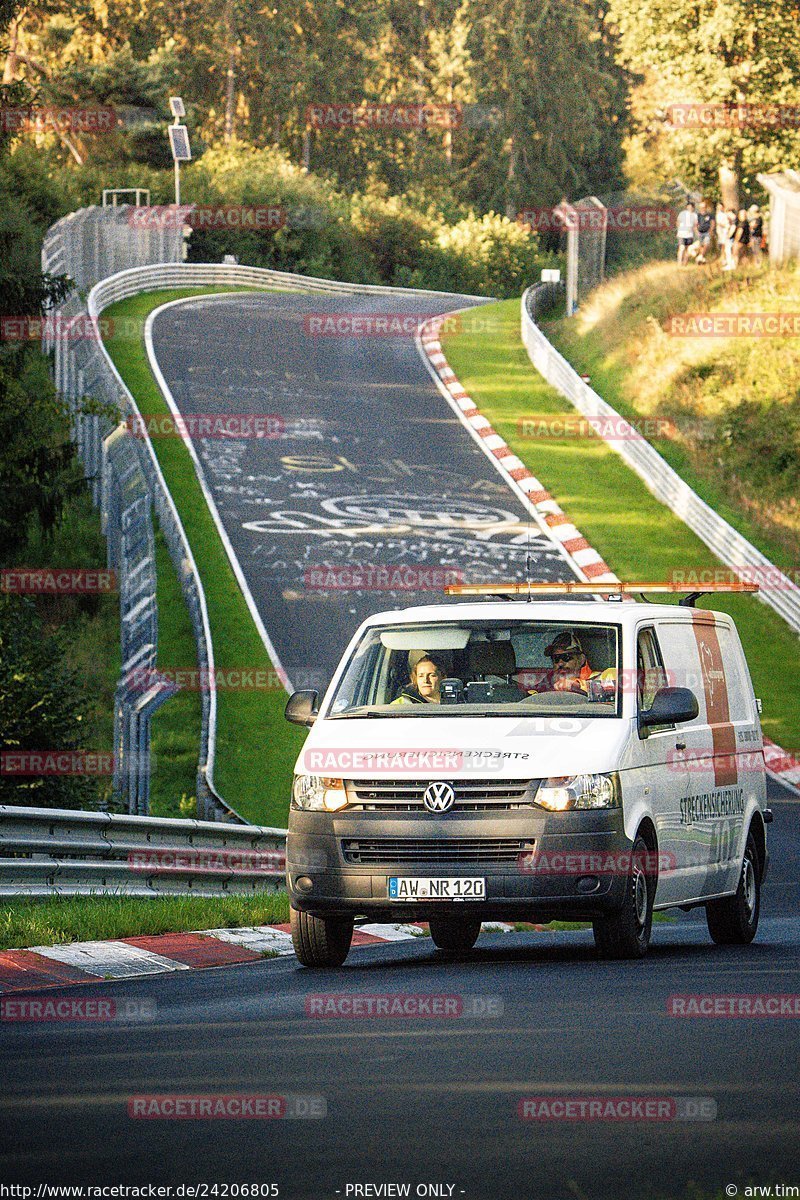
<point>457,887</point>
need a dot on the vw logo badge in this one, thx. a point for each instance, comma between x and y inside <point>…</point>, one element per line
<point>438,797</point>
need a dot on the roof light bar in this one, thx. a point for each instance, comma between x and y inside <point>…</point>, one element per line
<point>593,589</point>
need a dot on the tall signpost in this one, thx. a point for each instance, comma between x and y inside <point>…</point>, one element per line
<point>179,142</point>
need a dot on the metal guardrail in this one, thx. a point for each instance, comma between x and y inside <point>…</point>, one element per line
<point>85,246</point>
<point>91,246</point>
<point>776,589</point>
<point>52,852</point>
<point>540,298</point>
<point>156,277</point>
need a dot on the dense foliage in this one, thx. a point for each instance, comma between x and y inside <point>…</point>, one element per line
<point>738,62</point>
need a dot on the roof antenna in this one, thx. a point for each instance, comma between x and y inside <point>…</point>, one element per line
<point>528,549</point>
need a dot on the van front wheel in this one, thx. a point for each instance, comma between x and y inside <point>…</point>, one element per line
<point>320,941</point>
<point>456,936</point>
<point>626,932</point>
<point>733,920</point>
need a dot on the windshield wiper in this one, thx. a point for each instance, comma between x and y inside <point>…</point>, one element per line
<point>358,716</point>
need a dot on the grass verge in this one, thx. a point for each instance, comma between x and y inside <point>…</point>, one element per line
<point>175,728</point>
<point>32,922</point>
<point>256,749</point>
<point>639,537</point>
<point>729,407</point>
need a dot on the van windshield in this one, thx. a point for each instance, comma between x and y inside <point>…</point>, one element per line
<point>490,668</point>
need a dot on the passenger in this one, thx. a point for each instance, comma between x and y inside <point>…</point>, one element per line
<point>425,683</point>
<point>571,671</point>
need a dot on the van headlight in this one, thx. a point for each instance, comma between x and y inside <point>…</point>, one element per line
<point>579,791</point>
<point>318,793</point>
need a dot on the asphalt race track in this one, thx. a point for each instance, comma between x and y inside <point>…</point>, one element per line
<point>365,464</point>
<point>419,1100</point>
<point>372,466</point>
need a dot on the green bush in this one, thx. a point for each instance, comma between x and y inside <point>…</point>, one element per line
<point>371,237</point>
<point>316,238</point>
<point>42,707</point>
<point>761,443</point>
<point>494,256</point>
<point>394,235</point>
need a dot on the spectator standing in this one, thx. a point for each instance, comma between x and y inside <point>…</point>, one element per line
<point>741,237</point>
<point>705,230</point>
<point>727,245</point>
<point>721,224</point>
<point>756,222</point>
<point>687,231</point>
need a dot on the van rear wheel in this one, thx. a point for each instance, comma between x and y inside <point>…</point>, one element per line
<point>733,921</point>
<point>320,941</point>
<point>626,932</point>
<point>456,936</point>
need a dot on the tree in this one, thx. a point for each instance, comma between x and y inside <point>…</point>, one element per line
<point>719,53</point>
<point>36,457</point>
<point>41,708</point>
<point>540,61</point>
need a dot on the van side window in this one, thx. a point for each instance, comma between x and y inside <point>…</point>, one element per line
<point>650,673</point>
<point>737,684</point>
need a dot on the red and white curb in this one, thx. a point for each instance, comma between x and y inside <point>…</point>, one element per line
<point>587,563</point>
<point>782,766</point>
<point>127,958</point>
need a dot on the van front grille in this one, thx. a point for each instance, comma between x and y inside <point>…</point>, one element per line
<point>472,795</point>
<point>392,851</point>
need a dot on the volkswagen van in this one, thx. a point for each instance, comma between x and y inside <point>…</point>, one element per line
<point>512,791</point>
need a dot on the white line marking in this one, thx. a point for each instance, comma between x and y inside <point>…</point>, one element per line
<point>394,932</point>
<point>512,484</point>
<point>212,507</point>
<point>117,959</point>
<point>257,938</point>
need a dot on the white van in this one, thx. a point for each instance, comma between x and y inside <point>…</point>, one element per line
<point>508,760</point>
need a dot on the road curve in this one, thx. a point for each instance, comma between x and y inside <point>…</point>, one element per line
<point>368,466</point>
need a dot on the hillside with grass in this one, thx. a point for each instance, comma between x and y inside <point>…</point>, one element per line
<point>727,409</point>
<point>636,534</point>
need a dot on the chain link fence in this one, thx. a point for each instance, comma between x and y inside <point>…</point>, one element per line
<point>89,246</point>
<point>585,222</point>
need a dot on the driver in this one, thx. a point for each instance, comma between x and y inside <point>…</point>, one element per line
<point>425,683</point>
<point>571,671</point>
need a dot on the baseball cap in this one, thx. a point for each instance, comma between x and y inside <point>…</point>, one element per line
<point>562,643</point>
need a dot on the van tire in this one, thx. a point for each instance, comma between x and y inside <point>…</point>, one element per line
<point>457,936</point>
<point>320,941</point>
<point>626,932</point>
<point>733,920</point>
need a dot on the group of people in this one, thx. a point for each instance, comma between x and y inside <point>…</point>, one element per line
<point>738,236</point>
<point>570,672</point>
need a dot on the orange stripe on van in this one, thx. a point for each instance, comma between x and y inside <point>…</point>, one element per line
<point>715,687</point>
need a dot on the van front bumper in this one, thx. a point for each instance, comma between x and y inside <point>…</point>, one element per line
<point>556,873</point>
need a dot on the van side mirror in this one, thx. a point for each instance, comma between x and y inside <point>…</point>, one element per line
<point>671,706</point>
<point>301,708</point>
